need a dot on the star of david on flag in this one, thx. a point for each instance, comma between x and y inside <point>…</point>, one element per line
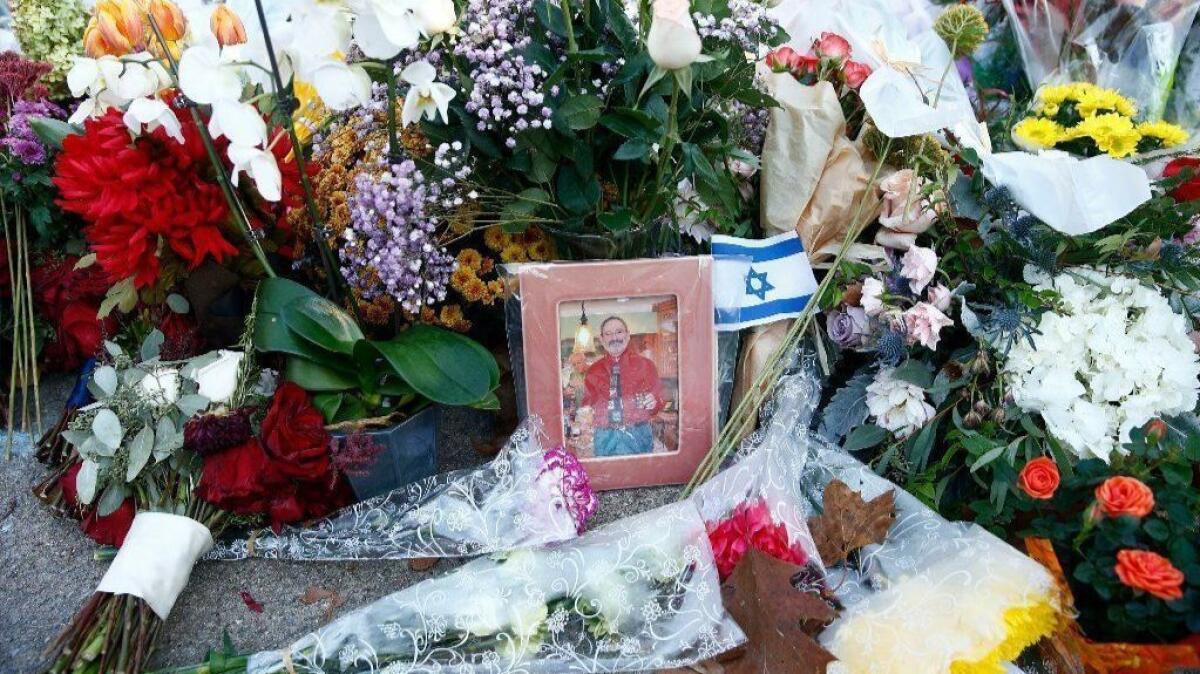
<point>778,285</point>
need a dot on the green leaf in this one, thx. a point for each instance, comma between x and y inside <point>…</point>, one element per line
<point>139,452</point>
<point>988,457</point>
<point>634,149</point>
<point>616,221</point>
<point>110,500</point>
<point>580,112</point>
<point>178,303</point>
<point>915,372</point>
<point>105,379</point>
<point>322,323</point>
<point>85,481</point>
<point>315,377</point>
<point>525,205</point>
<point>491,402</point>
<point>631,123</point>
<point>864,436</point>
<point>152,345</point>
<point>270,332</point>
<point>106,427</point>
<point>442,366</point>
<point>577,194</point>
<point>192,404</point>
<point>52,132</point>
<point>920,446</point>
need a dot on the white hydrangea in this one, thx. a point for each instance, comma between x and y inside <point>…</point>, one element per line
<point>897,405</point>
<point>1115,358</point>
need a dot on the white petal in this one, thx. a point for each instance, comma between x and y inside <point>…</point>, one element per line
<point>371,39</point>
<point>239,122</point>
<point>341,86</point>
<point>413,110</point>
<point>419,74</point>
<point>82,76</point>
<point>205,79</point>
<point>85,110</point>
<point>153,113</point>
<point>442,95</point>
<point>261,166</point>
<point>398,22</point>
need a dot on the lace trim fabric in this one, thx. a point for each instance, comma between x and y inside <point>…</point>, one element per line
<point>638,594</point>
<point>525,496</point>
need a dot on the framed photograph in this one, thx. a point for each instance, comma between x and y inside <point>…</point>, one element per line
<point>620,363</point>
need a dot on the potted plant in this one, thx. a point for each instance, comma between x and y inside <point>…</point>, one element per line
<point>374,392</point>
<point>1123,540</point>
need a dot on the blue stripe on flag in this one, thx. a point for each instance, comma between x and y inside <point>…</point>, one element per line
<point>758,311</point>
<point>785,248</point>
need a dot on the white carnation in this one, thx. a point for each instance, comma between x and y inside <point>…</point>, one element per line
<point>897,405</point>
<point>1116,357</point>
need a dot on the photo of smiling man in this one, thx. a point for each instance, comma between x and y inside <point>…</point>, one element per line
<point>620,381</point>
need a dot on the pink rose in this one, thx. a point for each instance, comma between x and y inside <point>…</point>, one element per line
<point>781,60</point>
<point>906,212</point>
<point>832,45</point>
<point>918,266</point>
<point>924,322</point>
<point>872,296</point>
<point>856,73</point>
<point>939,296</point>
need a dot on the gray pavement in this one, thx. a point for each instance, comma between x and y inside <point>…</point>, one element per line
<point>47,569</point>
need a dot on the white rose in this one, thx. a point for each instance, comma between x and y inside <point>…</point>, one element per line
<point>218,380</point>
<point>673,42</point>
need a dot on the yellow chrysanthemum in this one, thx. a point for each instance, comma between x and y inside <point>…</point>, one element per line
<point>461,277</point>
<point>475,290</point>
<point>1167,134</point>
<point>1098,101</point>
<point>1046,109</point>
<point>1054,94</point>
<point>514,252</point>
<point>470,258</point>
<point>495,238</point>
<point>1078,90</point>
<point>1114,134</point>
<point>452,317</point>
<point>1035,133</point>
<point>539,251</point>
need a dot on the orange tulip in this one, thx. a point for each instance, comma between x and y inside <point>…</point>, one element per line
<point>169,18</point>
<point>227,26</point>
<point>93,42</point>
<point>120,24</point>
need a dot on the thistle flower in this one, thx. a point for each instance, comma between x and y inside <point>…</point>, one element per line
<point>892,347</point>
<point>962,28</point>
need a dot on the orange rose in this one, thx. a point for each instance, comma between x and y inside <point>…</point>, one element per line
<point>1150,572</point>
<point>1039,478</point>
<point>1125,496</point>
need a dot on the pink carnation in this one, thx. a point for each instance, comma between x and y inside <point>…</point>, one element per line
<point>924,323</point>
<point>918,266</point>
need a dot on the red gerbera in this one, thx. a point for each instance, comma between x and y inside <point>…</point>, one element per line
<point>142,197</point>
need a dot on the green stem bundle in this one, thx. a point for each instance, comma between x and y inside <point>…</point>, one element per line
<point>23,373</point>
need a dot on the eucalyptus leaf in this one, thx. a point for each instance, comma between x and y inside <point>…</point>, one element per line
<point>106,427</point>
<point>133,376</point>
<point>105,379</point>
<point>164,435</point>
<point>93,448</point>
<point>178,303</point>
<point>192,404</point>
<point>112,498</point>
<point>75,438</point>
<point>152,345</point>
<point>139,453</point>
<point>85,481</point>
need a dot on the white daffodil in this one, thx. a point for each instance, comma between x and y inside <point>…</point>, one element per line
<point>340,85</point>
<point>384,28</point>
<point>151,114</point>
<point>259,165</point>
<point>208,74</point>
<point>426,97</point>
<point>240,122</point>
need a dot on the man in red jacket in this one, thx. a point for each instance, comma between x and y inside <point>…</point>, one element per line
<point>624,392</point>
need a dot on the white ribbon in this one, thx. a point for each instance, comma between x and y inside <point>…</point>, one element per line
<point>156,559</point>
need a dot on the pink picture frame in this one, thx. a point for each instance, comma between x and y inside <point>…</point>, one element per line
<point>548,290</point>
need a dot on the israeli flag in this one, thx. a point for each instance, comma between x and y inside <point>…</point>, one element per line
<point>778,284</point>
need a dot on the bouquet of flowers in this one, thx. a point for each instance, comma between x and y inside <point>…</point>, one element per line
<point>1084,119</point>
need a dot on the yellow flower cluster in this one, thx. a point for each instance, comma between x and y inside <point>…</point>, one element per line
<point>1024,627</point>
<point>1065,114</point>
<point>475,278</point>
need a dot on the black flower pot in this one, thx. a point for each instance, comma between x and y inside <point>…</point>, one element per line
<point>409,453</point>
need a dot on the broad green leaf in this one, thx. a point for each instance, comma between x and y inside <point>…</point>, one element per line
<point>106,428</point>
<point>915,372</point>
<point>270,332</point>
<point>491,402</point>
<point>577,193</point>
<point>311,376</point>
<point>920,446</point>
<point>85,481</point>
<point>328,405</point>
<point>988,457</point>
<point>633,149</point>
<point>139,453</point>
<point>443,366</point>
<point>580,112</point>
<point>617,221</point>
<point>52,132</point>
<point>632,123</point>
<point>323,324</point>
<point>863,437</point>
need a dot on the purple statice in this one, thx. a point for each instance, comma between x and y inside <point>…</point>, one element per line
<point>748,26</point>
<point>19,137</point>
<point>507,97</point>
<point>391,243</point>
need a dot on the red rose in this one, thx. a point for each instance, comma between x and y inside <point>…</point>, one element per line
<point>242,480</point>
<point>294,435</point>
<point>832,45</point>
<point>856,73</point>
<point>781,59</point>
<point>1190,190</point>
<point>82,328</point>
<point>1039,478</point>
<point>107,530</point>
<point>1156,430</point>
<point>1150,572</point>
<point>1125,496</point>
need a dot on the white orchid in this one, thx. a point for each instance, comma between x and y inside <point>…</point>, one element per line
<point>435,16</point>
<point>260,165</point>
<point>150,114</point>
<point>384,28</point>
<point>426,97</point>
<point>208,74</point>
<point>340,85</point>
<point>240,122</point>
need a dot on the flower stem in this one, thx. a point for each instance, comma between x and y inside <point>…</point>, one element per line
<point>285,101</point>
<point>572,47</point>
<point>235,206</point>
<point>392,126</point>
